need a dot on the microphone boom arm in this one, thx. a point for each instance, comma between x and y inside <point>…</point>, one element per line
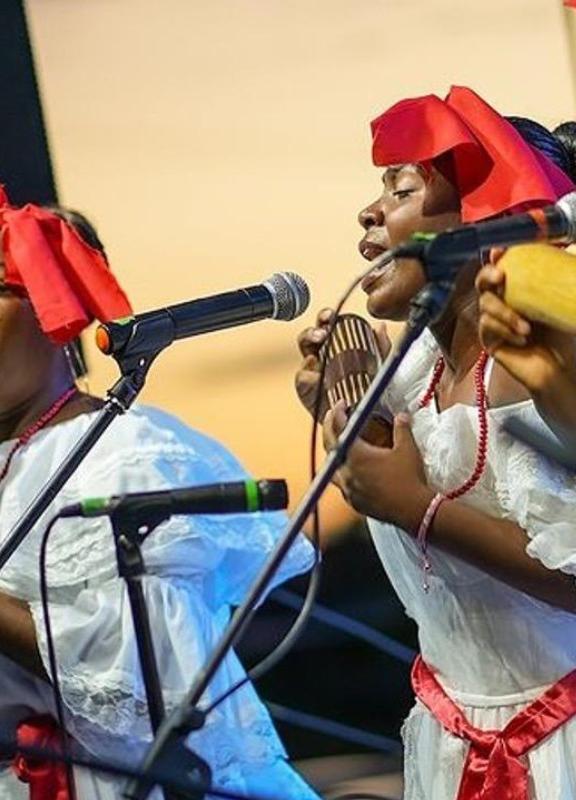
<point>444,254</point>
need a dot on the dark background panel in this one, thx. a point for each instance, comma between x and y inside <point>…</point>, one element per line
<point>25,167</point>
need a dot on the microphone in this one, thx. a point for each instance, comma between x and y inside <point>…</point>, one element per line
<point>444,253</point>
<point>237,497</point>
<point>283,296</point>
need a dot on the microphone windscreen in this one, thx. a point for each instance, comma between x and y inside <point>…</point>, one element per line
<point>541,284</point>
<point>290,293</point>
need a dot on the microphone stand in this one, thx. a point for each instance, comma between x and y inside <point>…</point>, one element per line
<point>134,363</point>
<point>171,737</point>
<point>134,360</point>
<point>130,527</point>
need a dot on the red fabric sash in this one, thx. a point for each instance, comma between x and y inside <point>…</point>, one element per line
<point>47,779</point>
<point>495,768</point>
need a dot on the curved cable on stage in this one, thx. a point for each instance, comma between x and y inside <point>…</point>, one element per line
<point>53,664</point>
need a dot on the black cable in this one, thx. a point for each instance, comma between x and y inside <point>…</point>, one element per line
<point>53,664</point>
<point>301,620</point>
<point>158,777</point>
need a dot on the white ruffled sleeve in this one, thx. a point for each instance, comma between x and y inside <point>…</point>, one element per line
<point>197,567</point>
<point>154,452</point>
<point>104,693</point>
<point>541,498</point>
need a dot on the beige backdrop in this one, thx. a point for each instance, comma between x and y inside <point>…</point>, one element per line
<point>217,141</point>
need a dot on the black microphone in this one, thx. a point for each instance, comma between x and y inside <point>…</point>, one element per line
<point>444,253</point>
<point>237,497</point>
<point>283,296</point>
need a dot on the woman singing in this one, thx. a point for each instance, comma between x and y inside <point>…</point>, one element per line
<point>475,531</point>
<point>54,280</point>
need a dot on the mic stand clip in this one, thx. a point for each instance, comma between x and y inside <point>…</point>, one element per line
<point>444,254</point>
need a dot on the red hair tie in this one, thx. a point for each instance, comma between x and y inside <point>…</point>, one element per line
<point>496,169</point>
<point>69,283</point>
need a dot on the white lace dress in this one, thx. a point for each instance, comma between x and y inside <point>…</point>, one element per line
<point>494,649</point>
<point>198,566</point>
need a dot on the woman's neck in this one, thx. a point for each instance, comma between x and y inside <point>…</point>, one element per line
<point>17,415</point>
<point>457,334</point>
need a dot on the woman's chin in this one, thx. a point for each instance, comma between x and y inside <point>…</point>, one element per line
<point>383,304</point>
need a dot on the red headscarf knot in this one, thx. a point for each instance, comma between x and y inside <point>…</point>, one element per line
<point>496,169</point>
<point>68,282</point>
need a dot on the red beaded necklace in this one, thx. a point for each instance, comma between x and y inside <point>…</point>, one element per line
<point>481,404</point>
<point>40,423</point>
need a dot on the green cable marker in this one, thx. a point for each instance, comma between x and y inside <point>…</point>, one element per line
<point>93,505</point>
<point>420,236</point>
<point>123,320</point>
<point>252,495</point>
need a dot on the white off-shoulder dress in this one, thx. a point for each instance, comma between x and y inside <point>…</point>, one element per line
<point>493,648</point>
<point>198,566</point>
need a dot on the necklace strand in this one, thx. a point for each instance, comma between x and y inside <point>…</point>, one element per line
<point>481,405</point>
<point>481,453</point>
<point>33,429</point>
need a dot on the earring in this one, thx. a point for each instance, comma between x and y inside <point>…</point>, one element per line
<point>76,364</point>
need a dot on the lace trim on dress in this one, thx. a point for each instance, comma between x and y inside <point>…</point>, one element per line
<point>409,734</point>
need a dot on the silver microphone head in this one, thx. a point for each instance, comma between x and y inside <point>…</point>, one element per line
<point>290,294</point>
<point>567,205</point>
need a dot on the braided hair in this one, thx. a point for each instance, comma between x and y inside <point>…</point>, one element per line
<point>81,224</point>
<point>558,145</point>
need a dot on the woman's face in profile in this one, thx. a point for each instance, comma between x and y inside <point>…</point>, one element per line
<point>415,197</point>
<point>25,352</point>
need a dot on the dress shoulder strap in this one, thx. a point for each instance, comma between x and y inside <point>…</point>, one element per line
<point>488,374</point>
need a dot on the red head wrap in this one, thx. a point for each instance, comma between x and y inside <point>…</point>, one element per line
<point>68,282</point>
<point>496,169</point>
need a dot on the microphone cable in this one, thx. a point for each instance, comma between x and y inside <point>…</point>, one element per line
<point>52,660</point>
<point>297,627</point>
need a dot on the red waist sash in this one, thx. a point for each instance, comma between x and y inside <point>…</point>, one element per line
<point>47,779</point>
<point>495,768</point>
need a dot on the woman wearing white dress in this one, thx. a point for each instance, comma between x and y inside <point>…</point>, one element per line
<point>476,532</point>
<point>51,285</point>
